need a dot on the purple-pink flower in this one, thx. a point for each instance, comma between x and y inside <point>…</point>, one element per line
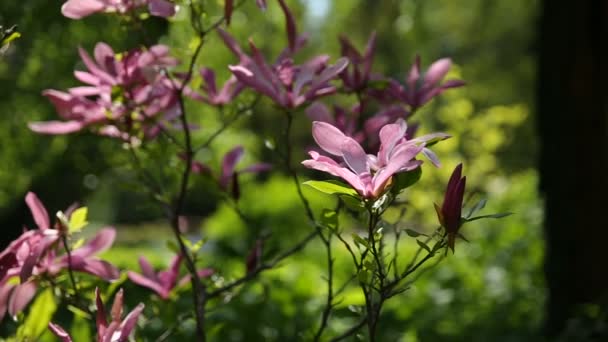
<point>356,76</point>
<point>214,96</point>
<point>121,95</point>
<point>450,213</point>
<point>164,281</point>
<point>420,87</point>
<point>369,175</point>
<point>117,329</point>
<point>38,252</point>
<point>78,9</point>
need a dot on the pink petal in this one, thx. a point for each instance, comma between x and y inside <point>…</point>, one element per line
<point>56,127</point>
<point>149,283</point>
<point>328,137</point>
<point>100,316</point>
<point>94,68</point>
<point>21,296</point>
<point>41,216</point>
<point>229,163</point>
<point>101,242</point>
<point>354,156</point>
<point>161,8</point>
<point>100,268</point>
<point>59,332</point>
<point>290,25</point>
<point>437,71</point>
<point>78,9</point>
<point>231,43</point>
<point>401,160</point>
<point>128,324</point>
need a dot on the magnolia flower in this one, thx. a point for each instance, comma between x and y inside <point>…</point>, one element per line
<point>229,175</point>
<point>164,281</point>
<point>369,175</point>
<point>117,330</point>
<point>78,9</point>
<point>289,85</point>
<point>356,76</point>
<point>37,252</point>
<point>421,88</point>
<point>450,213</point>
<point>231,89</point>
<point>143,89</point>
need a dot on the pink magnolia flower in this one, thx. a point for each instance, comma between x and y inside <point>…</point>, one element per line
<point>162,282</point>
<point>37,252</point>
<point>289,85</point>
<point>450,213</point>
<point>421,88</point>
<point>369,175</point>
<point>231,89</point>
<point>120,94</point>
<point>229,175</point>
<point>78,9</point>
<point>356,76</point>
<point>116,330</point>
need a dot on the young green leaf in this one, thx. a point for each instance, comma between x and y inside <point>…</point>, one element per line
<point>331,187</point>
<point>404,180</point>
<point>477,207</point>
<point>423,246</point>
<point>39,316</point>
<point>78,220</point>
<point>329,218</point>
<point>494,216</point>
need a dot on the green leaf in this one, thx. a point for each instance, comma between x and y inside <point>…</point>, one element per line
<point>404,180</point>
<point>38,317</point>
<point>423,246</point>
<point>359,240</point>
<point>78,220</point>
<point>331,187</point>
<point>494,216</point>
<point>353,203</point>
<point>413,233</point>
<point>329,219</point>
<point>477,207</point>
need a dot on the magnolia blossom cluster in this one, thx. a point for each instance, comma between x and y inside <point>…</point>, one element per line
<point>118,329</point>
<point>78,9</point>
<point>121,96</point>
<point>38,253</point>
<point>369,174</point>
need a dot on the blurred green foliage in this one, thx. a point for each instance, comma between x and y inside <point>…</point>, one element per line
<point>491,289</point>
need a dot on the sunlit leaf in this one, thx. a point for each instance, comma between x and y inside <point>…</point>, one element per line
<point>38,317</point>
<point>78,219</point>
<point>331,187</point>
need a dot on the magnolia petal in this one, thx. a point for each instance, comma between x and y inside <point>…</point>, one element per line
<point>128,324</point>
<point>78,9</point>
<point>56,127</point>
<point>101,242</point>
<point>354,156</point>
<point>21,296</point>
<point>437,72</point>
<point>59,332</point>
<point>229,164</point>
<point>161,8</point>
<point>328,137</point>
<point>41,216</point>
<point>100,268</point>
<point>290,25</point>
<point>431,156</point>
<point>148,283</point>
